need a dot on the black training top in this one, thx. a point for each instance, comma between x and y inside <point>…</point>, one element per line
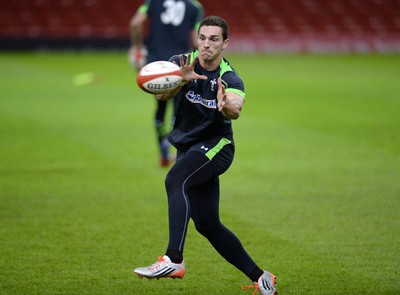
<point>197,116</point>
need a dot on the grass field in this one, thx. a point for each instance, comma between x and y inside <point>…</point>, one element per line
<point>313,193</point>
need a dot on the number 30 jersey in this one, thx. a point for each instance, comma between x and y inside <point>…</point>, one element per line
<point>171,22</point>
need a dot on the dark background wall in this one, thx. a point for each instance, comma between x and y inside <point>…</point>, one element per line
<point>256,25</point>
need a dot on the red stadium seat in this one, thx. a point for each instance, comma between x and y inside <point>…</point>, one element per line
<point>256,20</point>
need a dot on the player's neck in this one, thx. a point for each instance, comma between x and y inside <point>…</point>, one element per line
<point>211,65</point>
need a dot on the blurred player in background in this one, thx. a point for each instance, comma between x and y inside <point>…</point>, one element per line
<point>158,30</point>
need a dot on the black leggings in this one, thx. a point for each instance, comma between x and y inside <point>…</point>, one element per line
<point>192,186</point>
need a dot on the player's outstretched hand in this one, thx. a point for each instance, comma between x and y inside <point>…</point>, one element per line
<point>187,69</point>
<point>221,95</point>
<point>188,74</point>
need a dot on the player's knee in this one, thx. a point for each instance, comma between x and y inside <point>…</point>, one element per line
<point>172,181</point>
<point>169,180</point>
<point>202,229</point>
<point>205,229</point>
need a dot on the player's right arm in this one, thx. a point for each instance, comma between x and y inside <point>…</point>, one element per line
<point>199,18</point>
<point>137,52</point>
<point>136,26</point>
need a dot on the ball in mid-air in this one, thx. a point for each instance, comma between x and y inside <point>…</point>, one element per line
<point>159,77</point>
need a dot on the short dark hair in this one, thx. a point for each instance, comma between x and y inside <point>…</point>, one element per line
<point>218,21</point>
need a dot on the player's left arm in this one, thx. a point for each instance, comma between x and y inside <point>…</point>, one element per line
<point>229,103</point>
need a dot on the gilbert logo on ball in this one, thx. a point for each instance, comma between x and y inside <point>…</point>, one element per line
<point>159,77</point>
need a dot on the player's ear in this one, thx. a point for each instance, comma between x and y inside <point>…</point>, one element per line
<point>225,44</point>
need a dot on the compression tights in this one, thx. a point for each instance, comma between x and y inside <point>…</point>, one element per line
<point>193,192</point>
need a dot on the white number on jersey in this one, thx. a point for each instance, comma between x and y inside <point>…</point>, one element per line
<point>174,12</point>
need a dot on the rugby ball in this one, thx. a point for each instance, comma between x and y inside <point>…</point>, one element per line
<point>159,77</point>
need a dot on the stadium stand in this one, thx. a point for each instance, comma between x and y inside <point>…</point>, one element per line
<point>257,25</point>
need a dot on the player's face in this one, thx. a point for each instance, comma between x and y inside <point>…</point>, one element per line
<point>210,42</point>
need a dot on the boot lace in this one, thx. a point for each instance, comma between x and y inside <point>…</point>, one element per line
<point>159,264</point>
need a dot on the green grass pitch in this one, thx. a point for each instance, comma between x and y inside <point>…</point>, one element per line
<point>313,193</point>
